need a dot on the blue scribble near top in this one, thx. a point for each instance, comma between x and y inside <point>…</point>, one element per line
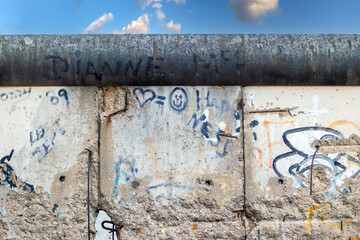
<point>144,96</point>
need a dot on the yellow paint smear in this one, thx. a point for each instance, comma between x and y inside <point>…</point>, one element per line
<point>194,226</point>
<point>4,166</point>
<point>14,178</point>
<point>332,224</point>
<point>339,225</point>
<point>311,211</point>
<point>323,211</point>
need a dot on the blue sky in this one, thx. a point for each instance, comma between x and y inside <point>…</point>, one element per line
<point>178,16</point>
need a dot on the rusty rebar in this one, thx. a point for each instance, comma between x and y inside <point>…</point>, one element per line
<point>113,229</point>
<point>311,171</point>
<point>88,190</point>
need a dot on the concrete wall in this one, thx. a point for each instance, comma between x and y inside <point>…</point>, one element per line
<point>43,166</point>
<point>180,162</point>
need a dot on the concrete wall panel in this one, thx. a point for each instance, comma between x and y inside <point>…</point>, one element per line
<point>171,161</point>
<point>43,166</point>
<point>283,127</point>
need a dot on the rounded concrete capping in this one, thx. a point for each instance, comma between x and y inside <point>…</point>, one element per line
<point>229,59</point>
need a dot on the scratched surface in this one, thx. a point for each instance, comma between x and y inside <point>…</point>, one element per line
<point>43,133</point>
<point>148,60</point>
<point>175,153</point>
<point>280,130</point>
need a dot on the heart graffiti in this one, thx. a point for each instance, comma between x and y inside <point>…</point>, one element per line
<point>144,96</point>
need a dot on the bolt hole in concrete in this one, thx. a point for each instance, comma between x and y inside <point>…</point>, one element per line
<point>208,183</point>
<point>280,181</point>
<point>135,184</point>
<point>62,178</point>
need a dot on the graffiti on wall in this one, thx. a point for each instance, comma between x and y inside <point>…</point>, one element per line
<point>43,141</point>
<point>125,171</point>
<point>36,114</point>
<point>178,98</point>
<point>9,176</point>
<point>206,114</point>
<point>215,129</point>
<point>296,161</point>
<point>16,94</point>
<point>212,130</point>
<point>301,154</point>
<point>131,68</point>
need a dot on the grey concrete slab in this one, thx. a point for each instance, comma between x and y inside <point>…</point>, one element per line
<point>283,127</point>
<point>43,168</point>
<point>171,158</point>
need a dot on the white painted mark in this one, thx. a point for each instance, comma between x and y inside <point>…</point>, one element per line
<point>316,111</point>
<point>102,234</point>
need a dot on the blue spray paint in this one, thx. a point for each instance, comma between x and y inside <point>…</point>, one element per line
<point>144,96</point>
<point>178,99</point>
<point>10,177</point>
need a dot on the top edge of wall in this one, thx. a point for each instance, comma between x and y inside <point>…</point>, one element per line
<point>183,59</point>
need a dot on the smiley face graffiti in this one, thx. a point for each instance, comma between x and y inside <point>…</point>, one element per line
<point>178,99</point>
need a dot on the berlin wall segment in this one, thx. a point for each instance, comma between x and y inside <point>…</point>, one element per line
<point>283,132</point>
<point>171,164</point>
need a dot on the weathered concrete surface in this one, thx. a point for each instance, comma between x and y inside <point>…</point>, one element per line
<point>148,60</point>
<point>283,126</point>
<point>43,166</point>
<point>171,162</point>
<point>180,162</point>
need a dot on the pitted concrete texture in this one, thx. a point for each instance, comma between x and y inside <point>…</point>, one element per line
<point>171,161</point>
<point>282,131</point>
<point>180,162</point>
<point>43,168</point>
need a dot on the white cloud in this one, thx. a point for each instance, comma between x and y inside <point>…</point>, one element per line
<point>141,25</point>
<point>96,25</point>
<point>173,27</point>
<point>251,10</point>
<point>177,1</point>
<point>160,14</point>
<point>157,5</point>
<point>145,3</point>
<point>156,10</point>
